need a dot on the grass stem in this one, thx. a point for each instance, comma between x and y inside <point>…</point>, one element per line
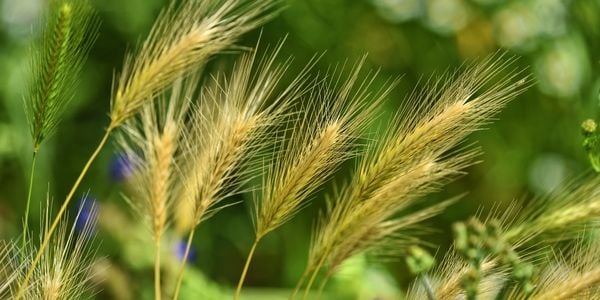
<point>183,263</point>
<point>157,291</point>
<point>245,271</point>
<point>29,192</point>
<point>299,284</point>
<point>322,286</point>
<point>313,277</point>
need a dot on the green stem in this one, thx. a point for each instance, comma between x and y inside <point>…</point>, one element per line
<point>245,271</point>
<point>61,212</point>
<point>29,192</point>
<point>299,284</point>
<point>502,293</point>
<point>312,278</point>
<point>322,285</point>
<point>183,263</point>
<point>157,291</point>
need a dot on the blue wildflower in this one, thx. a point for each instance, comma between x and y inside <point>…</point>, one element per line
<point>179,251</point>
<point>121,167</point>
<point>87,214</point>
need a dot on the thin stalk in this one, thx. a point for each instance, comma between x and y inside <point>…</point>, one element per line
<point>183,263</point>
<point>157,291</point>
<point>29,192</point>
<point>427,286</point>
<point>502,293</point>
<point>299,284</point>
<point>61,212</point>
<point>322,285</point>
<point>245,271</point>
<point>312,278</point>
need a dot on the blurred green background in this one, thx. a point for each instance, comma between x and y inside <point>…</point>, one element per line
<point>533,148</point>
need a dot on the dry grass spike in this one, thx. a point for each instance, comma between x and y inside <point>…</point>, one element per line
<point>416,157</point>
<point>182,39</point>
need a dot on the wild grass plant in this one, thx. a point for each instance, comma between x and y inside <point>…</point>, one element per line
<point>194,139</point>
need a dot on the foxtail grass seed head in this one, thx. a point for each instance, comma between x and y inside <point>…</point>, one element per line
<point>559,216</point>
<point>571,275</point>
<point>447,279</point>
<point>153,140</point>
<point>321,141</point>
<point>543,223</point>
<point>182,39</point>
<point>414,159</point>
<point>188,141</point>
<point>69,29</point>
<point>229,126</point>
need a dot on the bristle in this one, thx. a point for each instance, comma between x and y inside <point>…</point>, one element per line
<point>297,178</point>
<point>572,286</point>
<point>449,277</point>
<point>563,213</point>
<point>576,276</point>
<point>9,269</point>
<point>544,223</point>
<point>320,142</point>
<point>414,159</point>
<point>181,41</point>
<point>446,280</point>
<point>64,271</point>
<point>153,142</point>
<point>229,126</point>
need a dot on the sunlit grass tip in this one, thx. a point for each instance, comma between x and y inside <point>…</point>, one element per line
<point>183,37</point>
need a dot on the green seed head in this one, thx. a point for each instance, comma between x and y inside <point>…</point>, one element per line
<point>589,126</point>
<point>418,260</point>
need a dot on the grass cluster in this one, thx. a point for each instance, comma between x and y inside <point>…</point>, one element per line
<point>195,139</point>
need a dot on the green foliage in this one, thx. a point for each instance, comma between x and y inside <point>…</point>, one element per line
<point>591,142</point>
<point>477,241</point>
<point>418,260</point>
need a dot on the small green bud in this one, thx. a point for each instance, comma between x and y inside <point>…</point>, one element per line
<point>528,287</point>
<point>478,227</point>
<point>66,9</point>
<point>591,144</point>
<point>589,127</point>
<point>473,254</point>
<point>419,261</point>
<point>522,271</point>
<point>470,283</point>
<point>461,236</point>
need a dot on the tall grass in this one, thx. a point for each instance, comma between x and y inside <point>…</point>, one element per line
<point>319,143</point>
<point>152,141</point>
<point>535,233</point>
<point>196,139</point>
<point>414,159</point>
<point>229,127</point>
<point>67,34</point>
<point>181,40</point>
